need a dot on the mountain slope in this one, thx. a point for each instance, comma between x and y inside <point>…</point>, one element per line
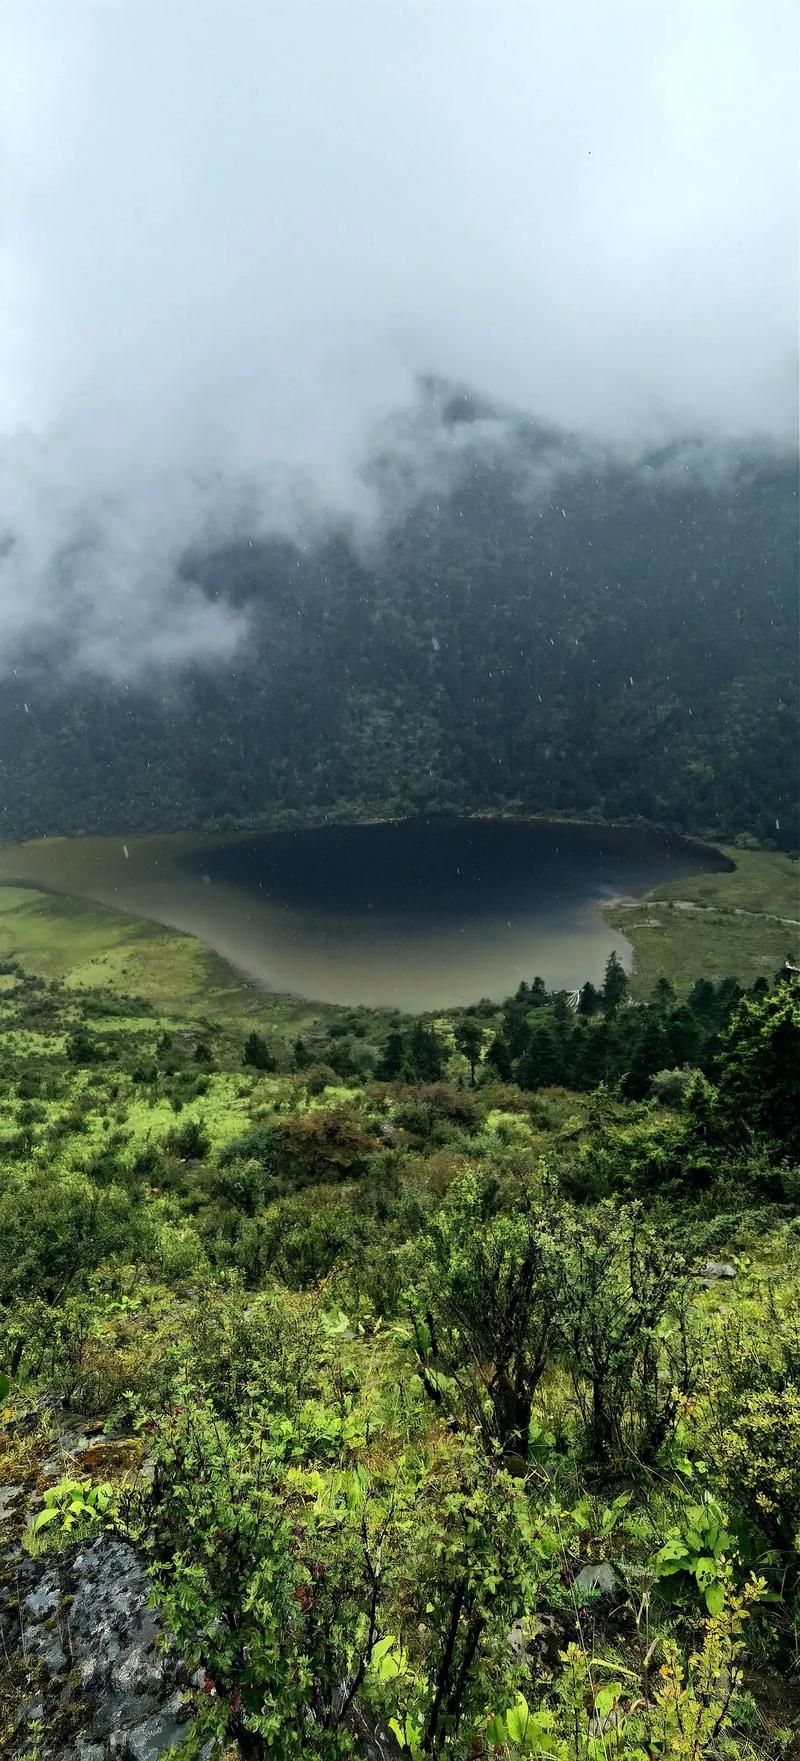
<point>553,634</point>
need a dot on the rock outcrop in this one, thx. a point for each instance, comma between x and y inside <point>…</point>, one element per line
<point>88,1667</point>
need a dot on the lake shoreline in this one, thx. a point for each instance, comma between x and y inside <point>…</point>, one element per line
<point>480,815</point>
<point>748,931</point>
<point>416,915</point>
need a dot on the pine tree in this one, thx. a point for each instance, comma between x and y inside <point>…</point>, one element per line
<point>391,1063</point>
<point>515,1029</point>
<point>663,994</point>
<point>469,1039</point>
<point>499,1057</point>
<point>759,1068</point>
<point>257,1053</point>
<point>684,1036</point>
<point>615,984</point>
<point>426,1056</point>
<point>651,1054</point>
<point>543,1062</point>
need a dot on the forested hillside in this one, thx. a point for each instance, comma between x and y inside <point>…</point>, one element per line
<point>553,633</point>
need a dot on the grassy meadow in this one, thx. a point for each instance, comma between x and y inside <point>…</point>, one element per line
<point>742,924</point>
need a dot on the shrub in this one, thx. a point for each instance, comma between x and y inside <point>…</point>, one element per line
<point>81,1048</point>
<point>761,1460</point>
<point>752,1410</point>
<point>318,1077</point>
<point>257,1054</point>
<point>622,1327</point>
<point>327,1144</point>
<point>670,1087</point>
<point>265,1353</point>
<point>190,1141</point>
<point>481,1314</point>
<point>76,1508</point>
<point>314,1600</point>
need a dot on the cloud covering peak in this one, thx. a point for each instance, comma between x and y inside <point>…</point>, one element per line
<point>237,235</point>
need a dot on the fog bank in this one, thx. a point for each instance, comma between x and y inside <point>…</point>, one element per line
<point>236,236</point>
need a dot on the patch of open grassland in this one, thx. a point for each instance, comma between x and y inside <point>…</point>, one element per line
<point>86,946</point>
<point>762,880</point>
<point>742,924</point>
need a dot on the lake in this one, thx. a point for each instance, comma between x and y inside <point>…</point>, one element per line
<point>410,914</point>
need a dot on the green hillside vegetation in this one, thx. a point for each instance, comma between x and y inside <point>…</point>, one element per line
<point>445,1372</point>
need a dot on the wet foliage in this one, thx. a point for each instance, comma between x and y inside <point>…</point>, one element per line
<point>451,1397</point>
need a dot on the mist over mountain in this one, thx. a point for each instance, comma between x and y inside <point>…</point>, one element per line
<point>235,242</point>
<point>399,412</point>
<point>551,629</point>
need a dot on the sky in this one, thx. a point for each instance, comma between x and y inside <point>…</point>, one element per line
<point>234,236</point>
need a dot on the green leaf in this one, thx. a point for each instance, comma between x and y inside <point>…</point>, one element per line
<point>673,1557</point>
<point>517,1720</point>
<point>388,1659</point>
<point>45,1516</point>
<point>5,1384</point>
<point>715,1597</point>
<point>408,1733</point>
<point>606,1698</point>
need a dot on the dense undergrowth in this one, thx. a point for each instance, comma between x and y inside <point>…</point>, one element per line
<point>447,1373</point>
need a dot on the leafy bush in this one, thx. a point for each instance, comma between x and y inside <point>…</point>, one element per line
<point>623,1330</point>
<point>699,1549</point>
<point>670,1087</point>
<point>311,1600</point>
<point>752,1411</point>
<point>189,1141</point>
<point>327,1145</point>
<point>482,1313</point>
<point>76,1508</point>
<point>81,1048</point>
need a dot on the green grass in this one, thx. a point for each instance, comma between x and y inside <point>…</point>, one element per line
<point>762,881</point>
<point>86,946</point>
<point>89,946</point>
<point>742,924</point>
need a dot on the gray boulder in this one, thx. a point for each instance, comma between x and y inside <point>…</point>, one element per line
<point>598,1577</point>
<point>83,1632</point>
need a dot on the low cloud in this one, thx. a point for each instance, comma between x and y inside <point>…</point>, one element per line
<point>237,237</point>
